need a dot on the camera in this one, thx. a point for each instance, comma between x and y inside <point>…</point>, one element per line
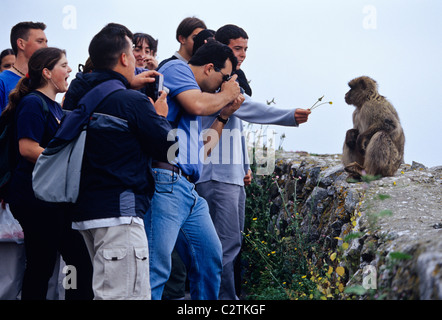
<point>153,89</point>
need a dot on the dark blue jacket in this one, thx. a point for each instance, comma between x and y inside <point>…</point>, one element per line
<point>116,178</point>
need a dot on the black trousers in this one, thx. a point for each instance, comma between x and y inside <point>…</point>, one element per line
<point>47,230</point>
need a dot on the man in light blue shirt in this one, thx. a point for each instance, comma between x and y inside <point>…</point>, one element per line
<point>223,179</point>
<point>178,216</point>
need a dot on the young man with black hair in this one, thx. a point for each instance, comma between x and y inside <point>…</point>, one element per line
<point>222,182</point>
<point>116,178</point>
<point>237,39</point>
<point>179,217</point>
<point>26,38</point>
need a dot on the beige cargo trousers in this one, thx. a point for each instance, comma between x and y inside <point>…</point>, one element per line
<point>120,258</point>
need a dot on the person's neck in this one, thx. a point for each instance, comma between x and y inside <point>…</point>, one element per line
<point>20,66</point>
<point>48,91</point>
<point>127,73</point>
<point>182,52</point>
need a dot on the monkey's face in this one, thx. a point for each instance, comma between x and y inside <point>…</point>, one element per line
<point>347,97</point>
<point>350,96</point>
<point>360,91</point>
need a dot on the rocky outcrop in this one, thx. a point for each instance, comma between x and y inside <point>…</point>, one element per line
<point>395,223</point>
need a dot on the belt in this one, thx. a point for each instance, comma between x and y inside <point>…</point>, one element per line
<point>171,167</point>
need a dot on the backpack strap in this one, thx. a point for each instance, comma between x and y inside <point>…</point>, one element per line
<point>162,63</point>
<point>74,121</point>
<point>93,98</point>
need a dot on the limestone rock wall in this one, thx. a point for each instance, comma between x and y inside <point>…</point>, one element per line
<point>396,222</point>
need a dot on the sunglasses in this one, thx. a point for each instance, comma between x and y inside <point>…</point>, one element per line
<point>226,77</point>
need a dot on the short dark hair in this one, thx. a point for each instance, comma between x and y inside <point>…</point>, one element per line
<point>21,31</point>
<point>107,45</point>
<point>186,27</point>
<point>214,52</point>
<point>140,37</point>
<point>230,32</point>
<point>201,38</point>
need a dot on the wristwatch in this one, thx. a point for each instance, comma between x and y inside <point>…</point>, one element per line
<point>220,119</point>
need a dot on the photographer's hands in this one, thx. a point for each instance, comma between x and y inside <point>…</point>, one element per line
<point>230,109</point>
<point>161,105</point>
<point>142,79</point>
<point>231,88</point>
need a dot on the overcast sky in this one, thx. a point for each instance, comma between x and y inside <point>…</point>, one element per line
<point>298,51</point>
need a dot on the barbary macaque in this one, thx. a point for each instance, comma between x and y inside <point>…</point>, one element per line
<point>375,145</point>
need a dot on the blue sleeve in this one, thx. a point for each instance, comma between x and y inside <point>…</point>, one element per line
<point>178,77</point>
<point>3,98</point>
<point>30,119</point>
<point>8,81</point>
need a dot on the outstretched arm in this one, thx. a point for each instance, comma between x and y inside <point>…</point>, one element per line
<point>261,113</point>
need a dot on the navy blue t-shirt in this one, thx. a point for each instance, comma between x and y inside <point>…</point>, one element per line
<point>32,123</point>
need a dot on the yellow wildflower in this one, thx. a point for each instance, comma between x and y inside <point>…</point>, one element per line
<point>340,271</point>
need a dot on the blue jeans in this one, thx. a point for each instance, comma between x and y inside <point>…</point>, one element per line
<point>178,215</point>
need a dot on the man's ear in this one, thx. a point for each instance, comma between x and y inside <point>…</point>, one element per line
<point>208,68</point>
<point>21,44</point>
<point>124,60</point>
<point>181,39</point>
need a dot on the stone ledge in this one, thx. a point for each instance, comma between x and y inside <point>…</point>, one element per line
<point>332,208</point>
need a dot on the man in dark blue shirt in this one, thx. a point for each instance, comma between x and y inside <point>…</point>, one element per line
<point>116,181</point>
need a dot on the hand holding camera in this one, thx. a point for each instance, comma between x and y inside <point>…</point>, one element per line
<point>231,88</point>
<point>161,105</point>
<point>142,79</point>
<point>153,89</point>
<point>151,83</point>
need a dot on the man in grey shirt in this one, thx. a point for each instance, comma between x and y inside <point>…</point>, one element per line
<point>224,175</point>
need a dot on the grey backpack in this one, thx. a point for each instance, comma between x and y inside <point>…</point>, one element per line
<point>57,172</point>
